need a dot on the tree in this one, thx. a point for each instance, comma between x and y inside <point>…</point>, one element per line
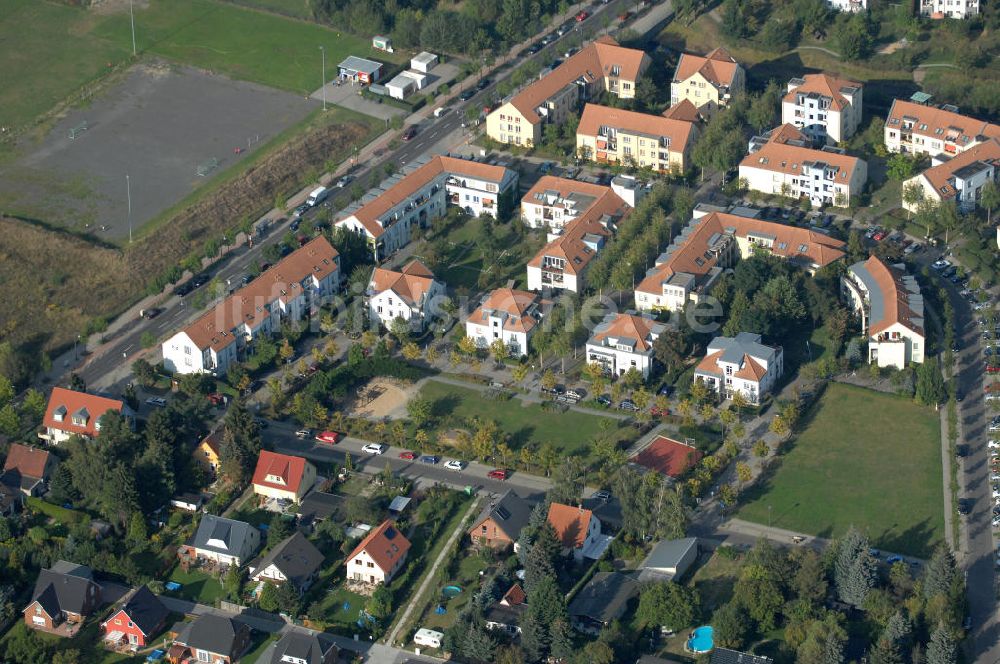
<point>990,200</point>
<point>901,167</point>
<point>761,448</point>
<point>241,443</point>
<point>809,582</point>
<point>930,388</point>
<point>400,328</point>
<point>824,642</point>
<point>499,350</point>
<point>411,351</point>
<point>379,605</point>
<point>467,346</point>
<point>144,372</point>
<point>548,379</point>
<point>942,648</point>
<point>278,530</point>
<point>10,421</point>
<point>941,573</point>
<point>268,598</point>
<point>854,568</point>
<point>420,411</point>
<point>61,486</point>
<point>731,626</point>
<point>759,592</point>
<point>743,472</point>
<point>667,605</point>
<point>232,582</point>
<point>670,348</point>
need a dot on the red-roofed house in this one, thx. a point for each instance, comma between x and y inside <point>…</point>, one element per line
<point>740,364</point>
<point>77,413</point>
<point>825,107</point>
<point>624,341</point>
<point>283,476</point>
<point>506,314</point>
<point>960,178</point>
<point>708,82</point>
<point>576,528</point>
<point>27,469</point>
<point>668,457</point>
<point>379,556</point>
<point>409,293</point>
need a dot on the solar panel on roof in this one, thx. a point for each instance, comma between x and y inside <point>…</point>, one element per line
<point>503,512</point>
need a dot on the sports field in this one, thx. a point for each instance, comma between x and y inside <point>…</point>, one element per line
<point>866,459</point>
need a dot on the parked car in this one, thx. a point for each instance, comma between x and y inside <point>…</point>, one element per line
<point>940,264</point>
<point>374,448</point>
<point>964,506</point>
<point>303,433</point>
<point>576,394</point>
<point>534,48</point>
<point>582,16</point>
<point>200,280</point>
<point>628,404</point>
<point>296,213</point>
<point>602,495</point>
<point>498,474</point>
<point>159,402</point>
<point>409,456</point>
<point>151,313</point>
<point>659,412</point>
<point>330,437</point>
<point>894,559</point>
<point>430,459</point>
<point>454,464</point>
<point>467,94</point>
<point>604,400</point>
<point>483,84</point>
<point>409,132</point>
<point>344,181</point>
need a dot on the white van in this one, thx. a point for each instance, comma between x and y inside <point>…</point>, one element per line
<point>438,112</point>
<point>317,196</point>
<point>428,638</point>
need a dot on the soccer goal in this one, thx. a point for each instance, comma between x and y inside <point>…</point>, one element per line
<point>76,131</point>
<point>207,167</point>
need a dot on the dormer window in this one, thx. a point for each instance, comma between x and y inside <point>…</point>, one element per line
<point>59,414</point>
<point>81,417</point>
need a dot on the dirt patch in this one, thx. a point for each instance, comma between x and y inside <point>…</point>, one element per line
<point>889,49</point>
<point>106,7</point>
<point>382,399</point>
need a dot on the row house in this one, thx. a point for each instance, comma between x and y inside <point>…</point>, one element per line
<point>615,136</point>
<point>712,243</point>
<point>740,364</point>
<point>891,309</point>
<point>602,65</point>
<point>387,215</point>
<point>622,342</point>
<point>938,9</point>
<point>72,413</point>
<point>920,128</point>
<point>960,178</point>
<point>288,291</point>
<point>826,108</point>
<point>709,82</point>
<point>507,315</point>
<point>826,177</point>
<point>411,294</point>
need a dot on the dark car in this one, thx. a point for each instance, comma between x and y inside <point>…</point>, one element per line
<point>534,48</point>
<point>184,289</point>
<point>604,400</point>
<point>467,94</point>
<point>965,506</point>
<point>294,226</point>
<point>429,458</point>
<point>151,313</point>
<point>483,84</point>
<point>200,280</point>
<point>962,450</point>
<point>409,132</point>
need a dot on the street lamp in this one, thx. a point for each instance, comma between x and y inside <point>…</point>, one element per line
<point>131,15</point>
<point>323,51</point>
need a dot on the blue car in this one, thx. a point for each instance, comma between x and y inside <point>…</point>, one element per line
<point>429,458</point>
<point>894,559</point>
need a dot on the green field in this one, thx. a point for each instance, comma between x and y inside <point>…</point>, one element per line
<point>866,459</point>
<point>241,43</point>
<point>197,586</point>
<point>570,432</point>
<point>48,50</point>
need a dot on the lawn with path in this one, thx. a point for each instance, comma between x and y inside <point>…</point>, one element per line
<point>866,459</point>
<point>197,586</point>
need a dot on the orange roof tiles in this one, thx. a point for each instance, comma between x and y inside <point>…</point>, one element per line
<point>514,596</point>
<point>516,304</point>
<point>751,369</point>
<point>668,456</point>
<point>289,468</point>
<point>826,86</point>
<point>250,305</point>
<point>895,303</point>
<point>594,117</point>
<point>683,110</point>
<point>411,283</point>
<point>942,176</point>
<point>788,159</point>
<point>939,124</point>
<point>785,133</point>
<point>29,461</point>
<point>718,67</point>
<point>629,326</point>
<point>570,523</point>
<point>592,63</point>
<point>384,544</point>
<point>70,402</point>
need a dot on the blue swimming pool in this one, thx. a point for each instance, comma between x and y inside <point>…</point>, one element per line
<point>701,640</point>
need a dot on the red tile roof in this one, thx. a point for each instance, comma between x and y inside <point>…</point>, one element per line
<point>788,159</point>
<point>384,544</point>
<point>514,596</point>
<point>751,369</point>
<point>70,402</point>
<point>826,86</point>
<point>29,461</point>
<point>669,457</point>
<point>515,303</point>
<point>718,67</point>
<point>680,132</point>
<point>411,283</point>
<point>942,176</point>
<point>939,124</point>
<point>683,110</point>
<point>895,301</point>
<point>629,326</point>
<point>272,467</point>
<point>570,523</point>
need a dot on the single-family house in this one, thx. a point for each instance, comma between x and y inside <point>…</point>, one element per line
<point>825,107</point>
<point>740,364</point>
<point>622,342</point>
<point>188,501</point>
<point>609,135</point>
<point>224,541</point>
<point>499,524</point>
<point>577,529</point>
<point>299,646</point>
<point>213,638</point>
<point>77,413</point>
<point>206,452</point>
<point>379,556</point>
<point>891,309</point>
<point>139,620</point>
<point>669,559</point>
<point>604,599</point>
<point>938,9</point>
<point>283,476</point>
<point>508,315</point>
<point>27,469</point>
<point>506,614</point>
<point>294,560</point>
<point>709,82</point>
<point>411,294</point>
<point>64,596</point>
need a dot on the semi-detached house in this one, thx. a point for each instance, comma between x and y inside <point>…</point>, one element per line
<point>615,136</point>
<point>508,315</point>
<point>288,291</point>
<point>709,82</point>
<point>411,293</point>
<point>600,65</point>
<point>825,107</point>
<point>387,215</point>
<point>622,342</point>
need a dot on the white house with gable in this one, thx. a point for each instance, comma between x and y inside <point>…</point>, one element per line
<point>624,341</point>
<point>740,364</point>
<point>508,315</point>
<point>410,293</point>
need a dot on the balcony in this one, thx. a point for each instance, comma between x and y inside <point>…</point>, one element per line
<point>552,278</point>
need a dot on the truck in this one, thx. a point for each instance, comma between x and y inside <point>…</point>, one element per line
<point>317,196</point>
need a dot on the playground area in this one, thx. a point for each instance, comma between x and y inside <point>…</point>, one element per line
<point>169,128</point>
<point>382,398</point>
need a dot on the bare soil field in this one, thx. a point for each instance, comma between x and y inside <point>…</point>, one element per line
<point>382,398</point>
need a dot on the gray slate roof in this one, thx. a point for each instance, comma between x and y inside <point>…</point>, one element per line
<point>744,343</point>
<point>669,553</point>
<point>64,587</point>
<point>510,512</point>
<point>306,647</point>
<point>233,533</point>
<point>146,610</point>
<point>605,597</point>
<point>295,557</point>
<point>727,656</point>
<point>212,633</point>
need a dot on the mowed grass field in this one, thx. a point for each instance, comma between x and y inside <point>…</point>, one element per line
<point>242,43</point>
<point>866,459</point>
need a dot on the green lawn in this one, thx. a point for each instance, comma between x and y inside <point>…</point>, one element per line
<point>331,608</point>
<point>866,459</point>
<point>197,586</point>
<point>242,43</point>
<point>569,431</point>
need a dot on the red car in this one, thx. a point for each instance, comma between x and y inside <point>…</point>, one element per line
<point>878,237</point>
<point>409,456</point>
<point>498,474</point>
<point>582,16</point>
<point>993,369</point>
<point>409,133</point>
<point>216,399</point>
<point>331,437</point>
<point>659,412</point>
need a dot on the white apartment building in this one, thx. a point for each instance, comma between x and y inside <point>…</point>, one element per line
<point>826,108</point>
<point>622,342</point>
<point>410,293</point>
<point>386,215</point>
<point>948,8</point>
<point>960,178</point>
<point>741,364</point>
<point>891,309</point>
<point>288,291</point>
<point>506,314</point>
<point>709,82</point>
<point>919,128</point>
<point>825,177</point>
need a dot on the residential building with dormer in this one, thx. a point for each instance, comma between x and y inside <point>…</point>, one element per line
<point>622,342</point>
<point>740,364</point>
<point>826,108</point>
